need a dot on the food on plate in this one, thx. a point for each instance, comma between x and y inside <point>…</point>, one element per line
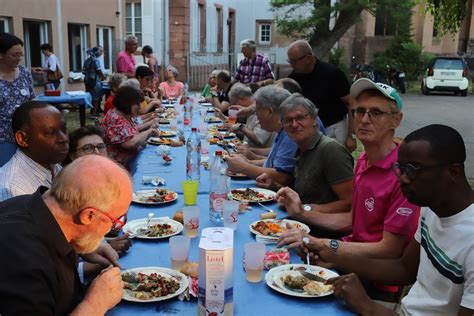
<point>190,269</point>
<point>163,121</point>
<point>250,195</point>
<point>214,119</point>
<point>273,227</point>
<point>316,288</point>
<point>295,282</point>
<point>178,216</point>
<point>160,196</point>
<point>276,257</point>
<point>159,141</point>
<point>148,286</point>
<point>167,134</point>
<point>158,230</point>
<point>213,140</point>
<point>231,173</point>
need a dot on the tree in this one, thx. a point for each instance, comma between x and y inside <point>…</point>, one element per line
<point>310,19</point>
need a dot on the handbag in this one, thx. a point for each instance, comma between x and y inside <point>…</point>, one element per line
<point>54,75</point>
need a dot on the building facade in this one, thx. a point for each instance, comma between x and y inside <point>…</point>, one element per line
<point>70,26</point>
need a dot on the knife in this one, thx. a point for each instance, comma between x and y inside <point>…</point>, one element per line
<point>312,276</point>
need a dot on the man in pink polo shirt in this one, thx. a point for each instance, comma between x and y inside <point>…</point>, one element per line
<point>125,59</point>
<point>382,219</point>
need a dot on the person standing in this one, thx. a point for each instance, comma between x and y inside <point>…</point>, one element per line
<point>150,59</point>
<point>125,60</point>
<point>50,66</point>
<point>93,77</point>
<point>255,67</point>
<point>327,87</point>
<point>16,87</point>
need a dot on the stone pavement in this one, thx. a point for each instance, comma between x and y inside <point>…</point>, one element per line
<point>455,111</point>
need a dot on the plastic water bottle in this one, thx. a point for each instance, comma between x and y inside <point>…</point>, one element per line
<point>219,189</point>
<point>193,158</point>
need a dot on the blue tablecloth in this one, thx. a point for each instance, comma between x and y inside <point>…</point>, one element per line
<point>249,298</point>
<point>81,99</point>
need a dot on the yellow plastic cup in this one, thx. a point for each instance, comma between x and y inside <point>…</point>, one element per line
<point>190,190</point>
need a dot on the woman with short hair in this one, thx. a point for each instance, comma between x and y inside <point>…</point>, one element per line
<point>122,136</point>
<point>171,88</point>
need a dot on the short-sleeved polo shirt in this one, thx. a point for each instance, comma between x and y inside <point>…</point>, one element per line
<point>324,163</point>
<point>378,203</point>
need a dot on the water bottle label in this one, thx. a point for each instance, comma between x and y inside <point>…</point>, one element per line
<point>216,201</point>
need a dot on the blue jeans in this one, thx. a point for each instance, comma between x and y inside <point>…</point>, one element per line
<point>7,150</point>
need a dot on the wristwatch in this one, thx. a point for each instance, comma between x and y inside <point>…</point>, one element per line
<point>306,207</point>
<point>333,244</point>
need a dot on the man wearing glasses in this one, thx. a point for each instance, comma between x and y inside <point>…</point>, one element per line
<point>327,87</point>
<point>41,235</point>
<point>383,220</point>
<point>255,67</point>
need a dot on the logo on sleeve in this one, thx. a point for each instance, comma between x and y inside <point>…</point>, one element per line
<point>404,211</point>
<point>370,204</point>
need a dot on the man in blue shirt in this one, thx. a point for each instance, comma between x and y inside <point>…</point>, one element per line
<point>280,163</point>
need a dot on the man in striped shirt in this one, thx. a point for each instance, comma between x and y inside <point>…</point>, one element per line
<point>255,67</point>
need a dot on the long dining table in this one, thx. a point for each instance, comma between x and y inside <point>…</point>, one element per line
<point>248,298</point>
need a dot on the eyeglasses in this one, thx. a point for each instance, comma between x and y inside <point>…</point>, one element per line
<point>298,119</point>
<point>117,224</point>
<point>294,61</point>
<point>410,170</point>
<point>90,148</point>
<point>17,55</point>
<point>373,114</point>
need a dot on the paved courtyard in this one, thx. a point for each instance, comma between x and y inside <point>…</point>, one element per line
<point>455,111</point>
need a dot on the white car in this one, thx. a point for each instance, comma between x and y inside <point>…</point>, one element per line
<point>446,74</point>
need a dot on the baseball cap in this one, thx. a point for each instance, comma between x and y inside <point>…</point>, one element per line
<point>363,84</point>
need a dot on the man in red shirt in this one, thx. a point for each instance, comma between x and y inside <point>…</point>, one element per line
<point>125,59</point>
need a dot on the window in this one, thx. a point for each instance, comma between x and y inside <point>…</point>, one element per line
<point>202,27</point>
<point>265,33</point>
<point>220,29</point>
<point>133,20</point>
<point>77,37</point>
<point>4,25</point>
<point>35,33</point>
<point>104,39</point>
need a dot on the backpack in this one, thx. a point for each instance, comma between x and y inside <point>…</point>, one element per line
<point>89,70</point>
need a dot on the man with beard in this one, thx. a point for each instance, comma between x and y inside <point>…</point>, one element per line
<point>440,257</point>
<point>41,234</point>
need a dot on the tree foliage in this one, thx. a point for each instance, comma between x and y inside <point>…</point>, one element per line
<point>311,19</point>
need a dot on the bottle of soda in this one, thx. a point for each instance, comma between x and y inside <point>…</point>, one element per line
<point>219,189</point>
<point>193,157</point>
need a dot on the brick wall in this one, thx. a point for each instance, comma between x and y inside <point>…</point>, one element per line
<point>179,30</point>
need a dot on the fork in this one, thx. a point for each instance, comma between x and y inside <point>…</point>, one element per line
<point>266,207</point>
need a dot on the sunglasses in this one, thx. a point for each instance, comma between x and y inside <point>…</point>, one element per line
<point>410,170</point>
<point>375,114</point>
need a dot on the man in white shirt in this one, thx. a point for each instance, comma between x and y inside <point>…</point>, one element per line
<point>440,258</point>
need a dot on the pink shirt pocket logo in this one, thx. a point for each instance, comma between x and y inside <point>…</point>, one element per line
<point>370,204</point>
<point>404,211</point>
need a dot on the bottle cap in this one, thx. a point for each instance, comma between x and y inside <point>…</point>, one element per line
<point>218,152</point>
<point>194,129</point>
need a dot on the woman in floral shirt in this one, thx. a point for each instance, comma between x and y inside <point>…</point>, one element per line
<point>122,136</point>
<point>16,87</point>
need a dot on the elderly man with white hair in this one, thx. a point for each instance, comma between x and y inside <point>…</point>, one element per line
<point>255,67</point>
<point>125,60</point>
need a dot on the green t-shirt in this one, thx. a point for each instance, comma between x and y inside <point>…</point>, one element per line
<point>206,92</point>
<point>324,163</point>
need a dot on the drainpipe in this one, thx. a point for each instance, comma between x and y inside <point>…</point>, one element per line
<point>119,13</point>
<point>60,40</point>
<point>163,36</point>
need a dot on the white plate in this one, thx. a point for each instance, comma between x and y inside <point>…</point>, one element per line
<point>157,141</point>
<point>167,134</point>
<point>147,193</point>
<point>133,227</point>
<point>208,104</point>
<point>273,279</point>
<point>183,280</point>
<point>168,105</point>
<point>282,222</point>
<point>269,195</point>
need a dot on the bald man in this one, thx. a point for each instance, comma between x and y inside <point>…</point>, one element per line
<point>38,274</point>
<point>327,87</point>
